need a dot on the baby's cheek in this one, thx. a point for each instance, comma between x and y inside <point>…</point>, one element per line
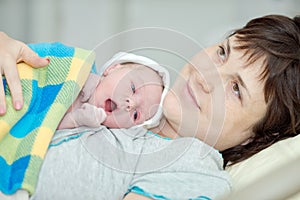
<point>92,99</point>
<point>96,100</point>
<point>151,111</point>
<point>118,120</point>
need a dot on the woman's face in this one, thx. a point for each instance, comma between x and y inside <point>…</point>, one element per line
<point>217,97</point>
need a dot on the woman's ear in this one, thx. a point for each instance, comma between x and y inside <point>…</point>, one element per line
<point>110,68</point>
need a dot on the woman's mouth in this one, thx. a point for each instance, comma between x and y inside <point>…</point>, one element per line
<point>110,105</point>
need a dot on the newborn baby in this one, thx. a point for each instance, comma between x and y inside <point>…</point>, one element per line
<point>128,93</point>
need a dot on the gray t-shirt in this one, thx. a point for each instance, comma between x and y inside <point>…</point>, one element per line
<point>109,163</point>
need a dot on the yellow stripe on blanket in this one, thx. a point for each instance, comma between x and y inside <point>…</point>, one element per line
<point>80,62</point>
<point>25,71</point>
<point>4,128</point>
<point>48,93</point>
<point>44,136</point>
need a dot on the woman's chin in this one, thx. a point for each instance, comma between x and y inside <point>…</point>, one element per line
<point>171,108</point>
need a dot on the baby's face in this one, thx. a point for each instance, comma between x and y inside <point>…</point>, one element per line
<point>129,95</point>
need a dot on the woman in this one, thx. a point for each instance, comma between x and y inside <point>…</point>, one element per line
<point>242,94</point>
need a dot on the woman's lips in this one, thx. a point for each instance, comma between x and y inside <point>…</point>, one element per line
<point>191,94</point>
<point>110,105</point>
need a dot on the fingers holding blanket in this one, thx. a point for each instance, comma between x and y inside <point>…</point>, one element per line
<point>10,72</point>
<point>12,52</point>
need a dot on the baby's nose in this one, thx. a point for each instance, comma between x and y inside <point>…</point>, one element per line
<point>130,104</point>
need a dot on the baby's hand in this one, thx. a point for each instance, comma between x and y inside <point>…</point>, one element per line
<point>89,115</point>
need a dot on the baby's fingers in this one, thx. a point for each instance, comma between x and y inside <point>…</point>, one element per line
<point>101,116</point>
<point>92,115</point>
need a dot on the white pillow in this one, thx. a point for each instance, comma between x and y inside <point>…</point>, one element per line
<point>248,172</point>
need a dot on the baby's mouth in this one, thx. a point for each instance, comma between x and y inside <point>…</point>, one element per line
<point>109,105</point>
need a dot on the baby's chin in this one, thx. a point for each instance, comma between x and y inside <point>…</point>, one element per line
<point>111,123</point>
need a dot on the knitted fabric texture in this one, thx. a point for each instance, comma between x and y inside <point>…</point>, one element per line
<point>48,93</point>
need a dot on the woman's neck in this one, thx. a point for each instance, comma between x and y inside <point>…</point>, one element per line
<point>165,129</point>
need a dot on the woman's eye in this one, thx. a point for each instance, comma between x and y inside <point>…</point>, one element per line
<point>135,115</point>
<point>236,90</point>
<point>222,52</point>
<point>133,88</point>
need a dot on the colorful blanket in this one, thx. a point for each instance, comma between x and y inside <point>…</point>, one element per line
<point>48,93</point>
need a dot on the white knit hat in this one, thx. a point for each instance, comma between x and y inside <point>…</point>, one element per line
<point>123,57</point>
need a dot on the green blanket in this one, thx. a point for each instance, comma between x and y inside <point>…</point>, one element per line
<point>48,93</point>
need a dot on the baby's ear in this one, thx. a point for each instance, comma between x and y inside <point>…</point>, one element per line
<point>111,68</point>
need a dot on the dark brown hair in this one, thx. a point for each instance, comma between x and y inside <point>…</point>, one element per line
<point>275,38</point>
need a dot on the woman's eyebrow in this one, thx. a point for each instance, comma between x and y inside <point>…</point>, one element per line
<point>241,81</point>
<point>228,47</point>
<point>243,84</point>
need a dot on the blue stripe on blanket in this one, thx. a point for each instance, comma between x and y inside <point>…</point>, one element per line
<point>4,83</point>
<point>12,181</point>
<point>52,49</point>
<point>42,99</point>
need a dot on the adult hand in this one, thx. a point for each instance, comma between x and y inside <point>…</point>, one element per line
<point>88,115</point>
<point>12,52</point>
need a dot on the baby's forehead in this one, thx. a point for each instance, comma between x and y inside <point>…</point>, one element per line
<point>143,72</point>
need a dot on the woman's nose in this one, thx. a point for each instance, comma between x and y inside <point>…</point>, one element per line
<point>205,83</point>
<point>130,104</point>
<point>207,74</point>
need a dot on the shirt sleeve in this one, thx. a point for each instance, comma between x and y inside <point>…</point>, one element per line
<point>180,185</point>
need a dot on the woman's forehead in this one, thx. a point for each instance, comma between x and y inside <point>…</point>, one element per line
<point>248,53</point>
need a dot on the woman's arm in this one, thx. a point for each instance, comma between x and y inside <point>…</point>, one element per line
<point>133,196</point>
<point>12,52</point>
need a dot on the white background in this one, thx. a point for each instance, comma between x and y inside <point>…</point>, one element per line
<point>86,23</point>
